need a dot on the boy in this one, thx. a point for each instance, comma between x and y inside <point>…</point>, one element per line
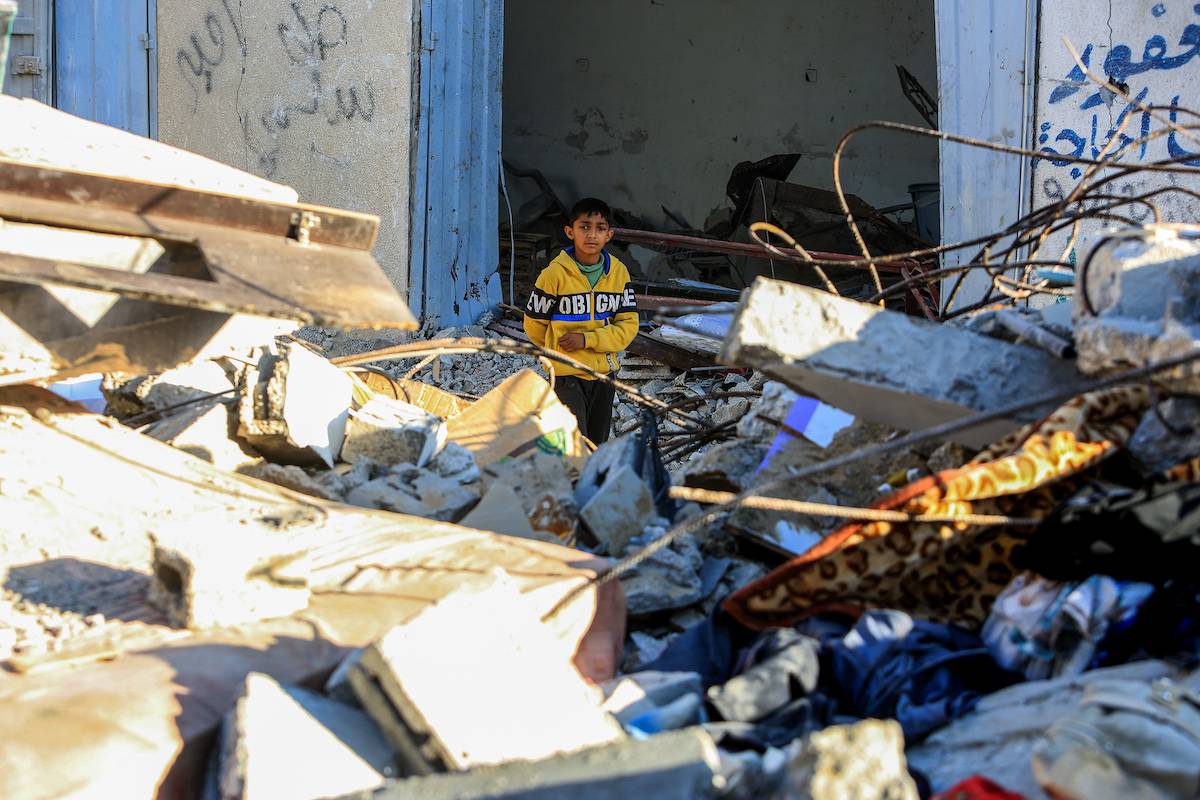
<point>582,305</point>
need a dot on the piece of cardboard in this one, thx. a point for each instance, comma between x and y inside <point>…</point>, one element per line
<point>521,413</point>
<point>434,400</point>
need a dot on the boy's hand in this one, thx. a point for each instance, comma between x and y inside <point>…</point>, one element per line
<point>570,342</point>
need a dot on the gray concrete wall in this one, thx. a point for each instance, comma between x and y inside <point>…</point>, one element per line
<point>314,94</point>
<point>651,103</point>
<point>1148,42</point>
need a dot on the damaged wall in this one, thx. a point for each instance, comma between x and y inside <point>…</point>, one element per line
<point>315,95</point>
<point>1154,48</point>
<point>647,104</point>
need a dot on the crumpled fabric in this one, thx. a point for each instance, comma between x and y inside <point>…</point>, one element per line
<point>1047,629</point>
<point>940,571</point>
<point>977,787</point>
<point>922,674</point>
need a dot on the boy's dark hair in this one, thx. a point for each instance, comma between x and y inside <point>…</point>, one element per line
<point>588,206</point>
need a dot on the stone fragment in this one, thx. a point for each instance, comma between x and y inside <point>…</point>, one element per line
<point>619,510</point>
<point>949,455</point>
<point>293,406</point>
<point>1167,436</point>
<point>760,424</point>
<point>1004,727</point>
<point>859,358</point>
<point>667,580</point>
<point>542,482</point>
<point>864,761</point>
<point>207,431</point>
<point>411,490</point>
<point>282,741</point>
<point>186,382</point>
<point>1139,301</point>
<point>391,432</point>
<point>728,467</point>
<point>447,678</point>
<point>455,462</point>
<point>289,477</point>
<point>679,765</point>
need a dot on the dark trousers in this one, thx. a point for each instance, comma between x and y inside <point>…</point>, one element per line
<point>591,402</point>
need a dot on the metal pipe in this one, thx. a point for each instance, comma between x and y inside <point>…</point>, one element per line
<point>654,238</point>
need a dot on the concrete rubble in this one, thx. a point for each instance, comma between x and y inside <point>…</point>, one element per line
<point>1137,303</point>
<point>862,355</point>
<point>476,589</point>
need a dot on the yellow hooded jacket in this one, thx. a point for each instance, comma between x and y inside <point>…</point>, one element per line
<point>562,301</point>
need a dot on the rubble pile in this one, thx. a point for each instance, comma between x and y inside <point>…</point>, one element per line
<point>861,555</point>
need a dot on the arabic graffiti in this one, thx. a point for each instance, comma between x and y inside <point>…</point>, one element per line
<point>1094,137</point>
<point>203,57</point>
<point>307,41</point>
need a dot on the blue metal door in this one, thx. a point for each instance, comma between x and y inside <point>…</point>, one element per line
<point>455,217</point>
<point>102,66</point>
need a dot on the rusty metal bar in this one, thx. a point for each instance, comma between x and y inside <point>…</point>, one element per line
<point>139,208</point>
<point>654,238</point>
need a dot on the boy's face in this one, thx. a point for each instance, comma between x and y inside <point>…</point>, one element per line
<point>590,234</point>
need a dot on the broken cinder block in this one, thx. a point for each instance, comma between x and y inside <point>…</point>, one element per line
<point>210,581</point>
<point>391,432</point>
<point>293,406</point>
<point>888,367</point>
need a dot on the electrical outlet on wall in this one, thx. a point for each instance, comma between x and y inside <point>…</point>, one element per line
<point>810,76</point>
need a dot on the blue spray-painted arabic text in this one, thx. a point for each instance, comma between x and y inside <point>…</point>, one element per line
<point>1119,67</point>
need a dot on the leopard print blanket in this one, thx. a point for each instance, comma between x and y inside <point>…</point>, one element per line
<point>949,572</point>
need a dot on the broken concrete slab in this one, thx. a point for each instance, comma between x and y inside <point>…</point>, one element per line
<point>448,678</point>
<point>1139,302</point>
<point>392,432</point>
<point>457,463</point>
<point>679,765</point>
<point>619,510</point>
<point>282,741</point>
<point>542,482</point>
<point>293,407</point>
<point>207,431</point>
<point>885,366</point>
<point>998,737</point>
